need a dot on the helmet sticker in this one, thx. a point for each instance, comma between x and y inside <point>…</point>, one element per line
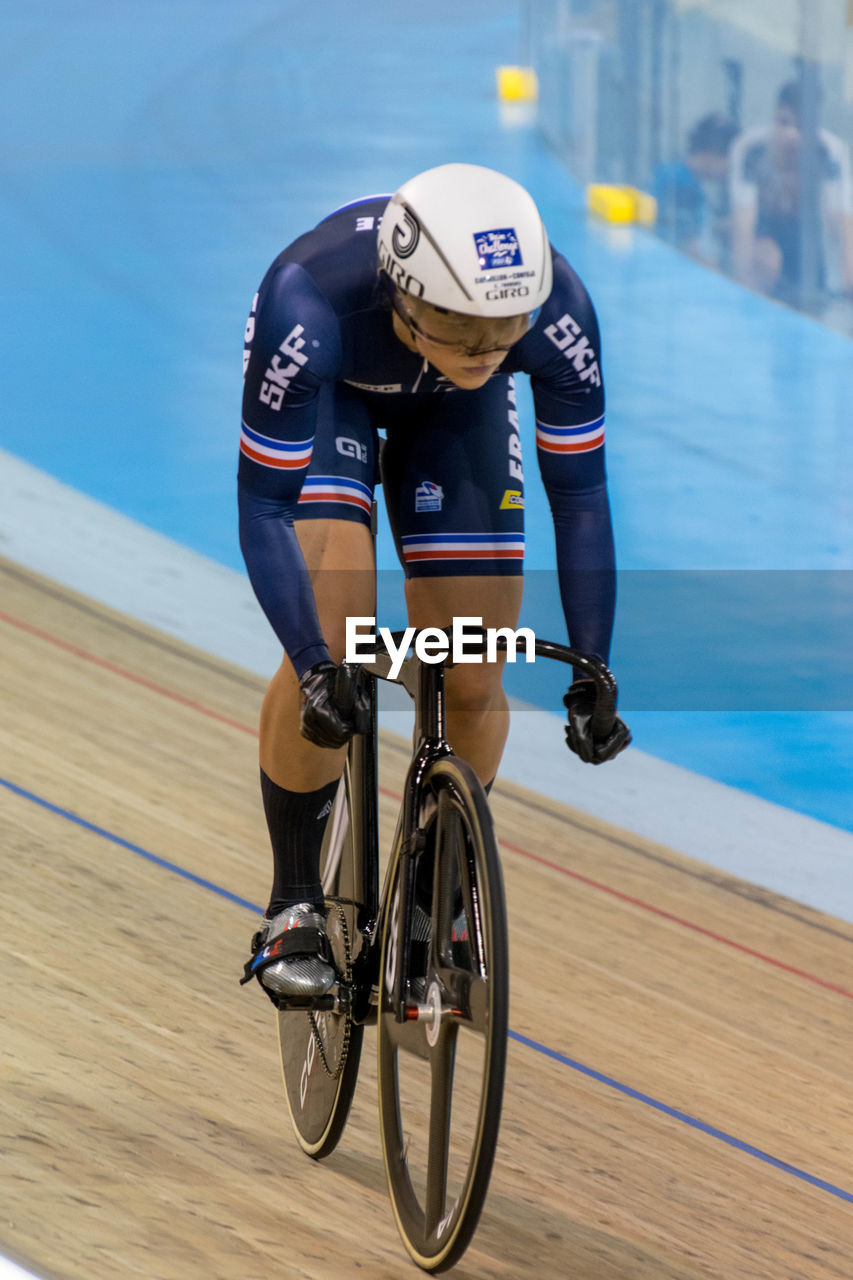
<point>404,240</point>
<point>498,248</point>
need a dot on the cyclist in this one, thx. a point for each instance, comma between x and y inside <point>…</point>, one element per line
<point>409,315</point>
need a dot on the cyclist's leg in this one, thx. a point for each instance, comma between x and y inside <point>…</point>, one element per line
<point>454,491</point>
<point>298,779</point>
<point>477,708</point>
<point>339,557</point>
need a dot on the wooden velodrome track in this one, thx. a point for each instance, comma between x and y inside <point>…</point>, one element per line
<point>678,1099</point>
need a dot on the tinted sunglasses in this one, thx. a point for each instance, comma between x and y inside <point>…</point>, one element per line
<point>454,344</point>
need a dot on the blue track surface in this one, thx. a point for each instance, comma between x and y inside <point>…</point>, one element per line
<point>156,158</point>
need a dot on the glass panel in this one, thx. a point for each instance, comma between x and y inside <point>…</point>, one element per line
<point>736,114</point>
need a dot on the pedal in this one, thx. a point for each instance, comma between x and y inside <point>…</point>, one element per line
<point>336,1000</point>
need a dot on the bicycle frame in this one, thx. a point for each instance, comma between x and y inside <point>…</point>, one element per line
<point>425,684</point>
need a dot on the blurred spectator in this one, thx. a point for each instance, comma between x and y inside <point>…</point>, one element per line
<point>691,193</point>
<point>767,204</point>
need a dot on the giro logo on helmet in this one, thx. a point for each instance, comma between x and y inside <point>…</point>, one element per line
<point>404,239</point>
<point>398,275</point>
<point>515,291</point>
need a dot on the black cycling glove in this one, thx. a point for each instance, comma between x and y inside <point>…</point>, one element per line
<point>334,705</point>
<point>580,701</point>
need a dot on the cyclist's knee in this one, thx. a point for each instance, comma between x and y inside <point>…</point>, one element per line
<point>475,687</point>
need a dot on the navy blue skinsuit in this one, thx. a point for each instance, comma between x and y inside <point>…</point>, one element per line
<point>324,371</point>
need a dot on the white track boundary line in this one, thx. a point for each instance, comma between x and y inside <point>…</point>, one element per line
<point>56,531</point>
<point>11,1271</point>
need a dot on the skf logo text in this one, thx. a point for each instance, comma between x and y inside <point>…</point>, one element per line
<point>278,375</point>
<point>567,337</point>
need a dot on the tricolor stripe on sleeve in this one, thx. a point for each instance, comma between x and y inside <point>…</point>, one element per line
<point>274,453</point>
<point>463,546</point>
<point>580,439</point>
<point>336,489</point>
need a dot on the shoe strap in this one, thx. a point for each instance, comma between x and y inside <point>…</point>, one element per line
<point>303,941</point>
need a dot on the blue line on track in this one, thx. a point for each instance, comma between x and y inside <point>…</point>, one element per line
<point>133,848</point>
<point>625,1089</point>
<point>719,1134</point>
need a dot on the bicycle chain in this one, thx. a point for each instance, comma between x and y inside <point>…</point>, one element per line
<point>318,1039</point>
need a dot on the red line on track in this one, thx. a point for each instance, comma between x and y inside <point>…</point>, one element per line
<point>123,672</point>
<point>679,920</point>
<point>513,848</point>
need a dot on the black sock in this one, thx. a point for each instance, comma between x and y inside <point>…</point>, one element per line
<point>296,822</point>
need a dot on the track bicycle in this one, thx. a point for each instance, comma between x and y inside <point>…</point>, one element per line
<point>426,962</point>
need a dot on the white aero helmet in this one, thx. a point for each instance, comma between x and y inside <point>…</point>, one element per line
<point>467,239</point>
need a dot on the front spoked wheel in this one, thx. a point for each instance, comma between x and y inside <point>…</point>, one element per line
<point>442,1057</point>
<point>320,1049</point>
